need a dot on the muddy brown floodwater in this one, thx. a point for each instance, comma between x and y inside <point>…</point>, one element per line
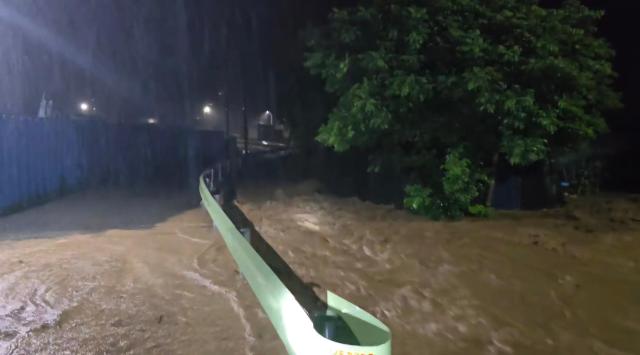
<point>114,272</point>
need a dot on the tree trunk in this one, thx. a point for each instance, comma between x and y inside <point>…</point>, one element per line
<point>492,185</point>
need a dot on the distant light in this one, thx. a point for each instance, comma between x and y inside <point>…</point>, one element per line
<point>267,118</point>
<point>207,109</point>
<point>152,120</point>
<point>84,107</point>
<point>264,142</point>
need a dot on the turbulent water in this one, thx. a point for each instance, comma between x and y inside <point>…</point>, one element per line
<point>165,284</point>
<point>112,272</point>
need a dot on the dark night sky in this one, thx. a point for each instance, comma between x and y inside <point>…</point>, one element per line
<point>620,26</point>
<point>159,58</point>
<point>147,57</point>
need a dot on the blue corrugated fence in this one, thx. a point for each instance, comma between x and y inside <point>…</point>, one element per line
<point>42,158</point>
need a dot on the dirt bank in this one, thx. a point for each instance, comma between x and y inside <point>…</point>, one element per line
<point>118,273</point>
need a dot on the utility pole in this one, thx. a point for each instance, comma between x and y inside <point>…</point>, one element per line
<point>245,122</point>
<point>227,121</point>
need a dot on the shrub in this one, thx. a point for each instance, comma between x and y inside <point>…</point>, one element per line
<point>460,185</point>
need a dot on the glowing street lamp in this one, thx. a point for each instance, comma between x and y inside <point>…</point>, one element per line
<point>84,107</point>
<point>207,110</point>
<point>267,118</point>
<point>152,120</point>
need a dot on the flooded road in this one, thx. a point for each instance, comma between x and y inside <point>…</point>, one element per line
<point>163,285</point>
<point>112,272</point>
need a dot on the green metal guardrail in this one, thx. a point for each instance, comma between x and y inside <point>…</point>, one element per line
<point>295,327</point>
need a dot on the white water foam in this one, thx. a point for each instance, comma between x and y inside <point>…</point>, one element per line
<point>184,236</point>
<point>233,300</point>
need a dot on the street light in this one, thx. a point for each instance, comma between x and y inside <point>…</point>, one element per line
<point>267,118</point>
<point>84,107</point>
<point>207,110</point>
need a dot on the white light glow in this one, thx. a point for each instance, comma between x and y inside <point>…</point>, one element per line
<point>152,120</point>
<point>207,109</point>
<point>84,107</point>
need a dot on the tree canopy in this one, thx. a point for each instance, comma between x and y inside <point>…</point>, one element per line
<point>444,87</point>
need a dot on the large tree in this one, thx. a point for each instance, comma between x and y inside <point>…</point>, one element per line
<point>447,86</point>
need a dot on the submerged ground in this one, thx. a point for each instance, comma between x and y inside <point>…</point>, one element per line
<point>116,272</point>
